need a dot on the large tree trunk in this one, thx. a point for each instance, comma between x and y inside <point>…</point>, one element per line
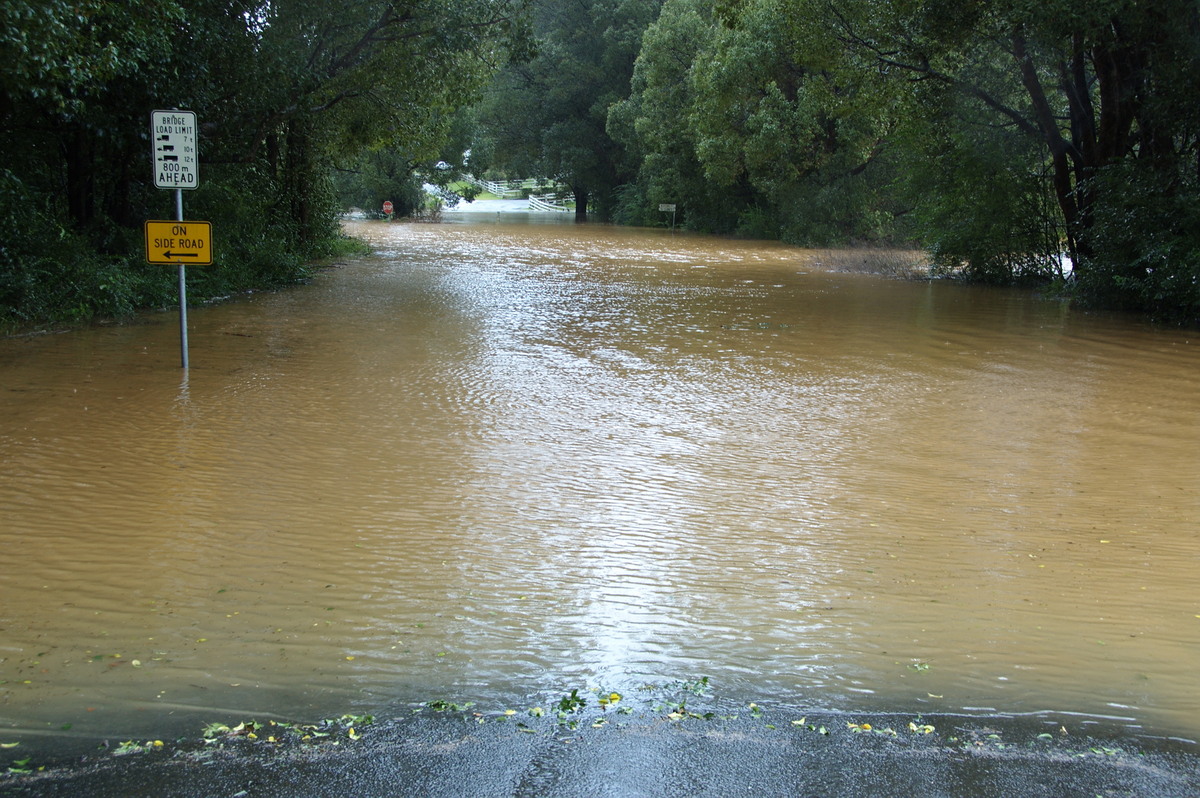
<point>297,177</point>
<point>1062,152</point>
<point>581,202</point>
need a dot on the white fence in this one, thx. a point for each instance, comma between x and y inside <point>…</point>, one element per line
<point>505,189</point>
<point>513,189</point>
<point>549,203</point>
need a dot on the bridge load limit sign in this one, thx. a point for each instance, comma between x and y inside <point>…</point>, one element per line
<point>179,242</point>
<point>176,159</point>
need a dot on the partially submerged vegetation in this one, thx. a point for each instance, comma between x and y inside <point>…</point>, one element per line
<point>1000,138</point>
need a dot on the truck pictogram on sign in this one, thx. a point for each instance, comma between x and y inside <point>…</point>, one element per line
<point>176,159</point>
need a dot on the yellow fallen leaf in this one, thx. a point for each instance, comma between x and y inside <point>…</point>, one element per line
<point>9,745</point>
<point>348,659</point>
<point>352,734</point>
<point>510,712</point>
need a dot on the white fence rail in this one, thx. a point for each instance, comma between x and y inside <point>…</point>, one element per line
<point>506,189</point>
<point>549,203</point>
<point>513,189</point>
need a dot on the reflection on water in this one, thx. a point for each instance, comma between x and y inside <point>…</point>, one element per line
<point>495,462</point>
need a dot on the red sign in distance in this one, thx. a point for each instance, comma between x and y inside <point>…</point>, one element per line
<point>387,206</point>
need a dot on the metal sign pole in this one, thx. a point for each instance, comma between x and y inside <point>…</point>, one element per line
<point>176,166</point>
<point>183,342</point>
<point>668,207</point>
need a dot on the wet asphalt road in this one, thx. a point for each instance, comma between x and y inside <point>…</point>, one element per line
<point>455,755</point>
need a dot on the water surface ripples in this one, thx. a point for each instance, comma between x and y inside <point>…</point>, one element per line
<point>496,463</point>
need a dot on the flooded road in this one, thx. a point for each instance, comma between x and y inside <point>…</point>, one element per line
<point>497,462</point>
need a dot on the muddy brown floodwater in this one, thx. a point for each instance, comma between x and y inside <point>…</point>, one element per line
<point>496,462</point>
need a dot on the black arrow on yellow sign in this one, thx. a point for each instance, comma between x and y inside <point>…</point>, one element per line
<point>179,242</point>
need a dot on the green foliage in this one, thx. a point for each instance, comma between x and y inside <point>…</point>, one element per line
<point>654,125</point>
<point>1009,233</point>
<point>50,271</point>
<point>547,117</point>
<point>999,136</point>
<point>377,176</point>
<point>1147,245</point>
<point>1087,104</point>
<point>572,702</point>
<point>55,51</point>
<point>283,91</point>
<point>758,126</point>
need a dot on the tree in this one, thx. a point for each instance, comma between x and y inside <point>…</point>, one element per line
<point>653,126</point>
<point>547,116</point>
<point>1107,90</point>
<point>283,89</point>
<point>748,113</point>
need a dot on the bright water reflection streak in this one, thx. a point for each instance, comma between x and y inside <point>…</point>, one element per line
<point>496,462</point>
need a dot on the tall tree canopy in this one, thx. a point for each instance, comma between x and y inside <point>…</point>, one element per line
<point>1106,91</point>
<point>547,116</point>
<point>999,135</point>
<point>753,122</point>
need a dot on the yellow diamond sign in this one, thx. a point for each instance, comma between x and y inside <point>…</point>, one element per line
<point>179,242</point>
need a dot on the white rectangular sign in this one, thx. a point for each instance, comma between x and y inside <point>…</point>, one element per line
<point>176,158</point>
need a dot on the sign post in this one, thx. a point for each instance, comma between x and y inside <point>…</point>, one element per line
<point>176,167</point>
<point>669,208</point>
<point>388,208</point>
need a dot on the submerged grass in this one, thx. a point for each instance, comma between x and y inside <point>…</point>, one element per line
<point>899,263</point>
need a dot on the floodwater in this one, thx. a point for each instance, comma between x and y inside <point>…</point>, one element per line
<point>498,462</point>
